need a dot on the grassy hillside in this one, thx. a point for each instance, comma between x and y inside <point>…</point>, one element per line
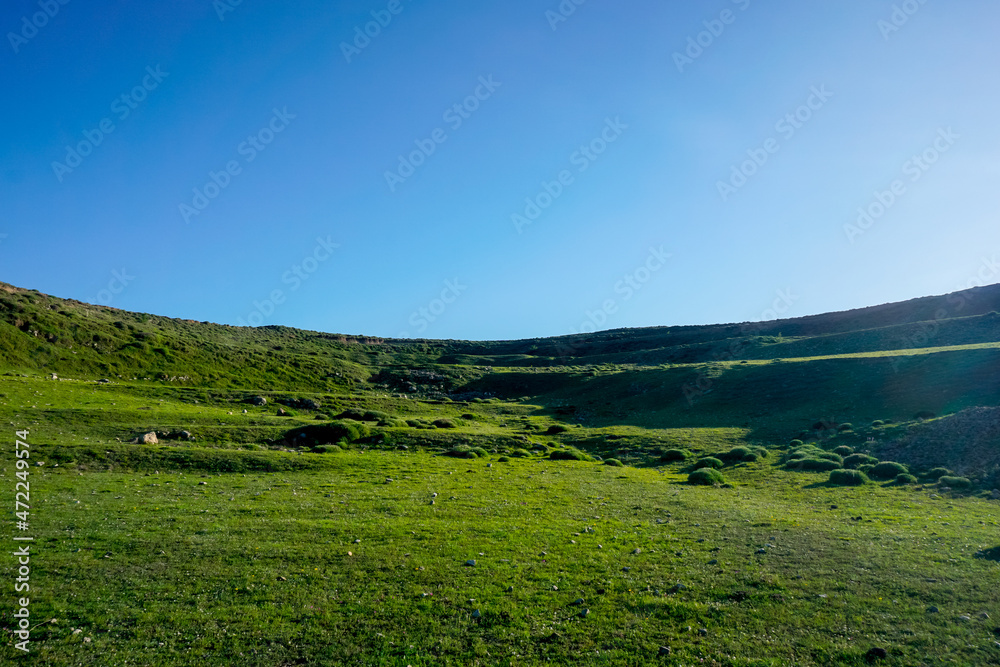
<point>286,513</point>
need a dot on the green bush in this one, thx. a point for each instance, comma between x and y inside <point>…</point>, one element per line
<point>330,433</point>
<point>816,465</point>
<point>938,473</point>
<point>520,453</point>
<point>831,456</point>
<point>673,455</point>
<point>842,477</point>
<point>856,460</point>
<point>613,462</point>
<point>444,423</point>
<point>866,467</point>
<point>556,429</point>
<point>888,470</point>
<point>845,427</point>
<point>904,479</point>
<point>569,454</point>
<point>844,450</point>
<point>466,452</point>
<point>955,482</point>
<point>706,477</point>
<point>709,462</point>
<point>503,459</point>
<point>795,443</point>
<point>374,416</point>
<point>327,449</point>
<point>734,455</point>
<point>878,422</point>
<point>356,415</point>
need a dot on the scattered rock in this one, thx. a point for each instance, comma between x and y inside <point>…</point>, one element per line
<point>282,579</point>
<point>282,412</point>
<point>676,588</point>
<point>202,483</point>
<point>761,551</point>
<point>259,401</point>
<point>703,631</point>
<point>636,551</point>
<point>576,603</point>
<point>510,589</point>
<point>584,613</point>
<point>470,563</point>
<point>932,610</point>
<point>357,541</point>
<point>664,650</point>
<point>965,617</point>
<point>476,613</point>
<point>146,439</point>
<point>876,654</point>
<point>713,562</point>
<point>983,615</point>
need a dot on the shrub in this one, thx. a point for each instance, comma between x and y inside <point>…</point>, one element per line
<point>520,453</point>
<point>855,460</point>
<point>556,429</point>
<point>327,449</point>
<point>832,456</point>
<point>613,462</point>
<point>845,427</point>
<point>751,457</point>
<point>321,417</point>
<point>374,416</point>
<point>710,462</point>
<point>734,455</point>
<point>673,455</point>
<point>330,433</point>
<point>569,454</point>
<point>469,416</point>
<point>817,465</point>
<point>760,451</point>
<point>503,459</point>
<point>866,467</point>
<point>903,479</point>
<point>844,450</point>
<point>795,443</point>
<point>955,482</point>
<point>356,415</point>
<point>938,473</point>
<point>889,470</point>
<point>465,452</point>
<point>842,477</point>
<point>444,423</point>
<point>706,477</point>
<point>878,422</point>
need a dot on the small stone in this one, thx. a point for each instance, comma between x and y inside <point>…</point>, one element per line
<point>357,541</point>
<point>761,551</point>
<point>585,613</point>
<point>703,631</point>
<point>476,614</point>
<point>471,562</point>
<point>983,615</point>
<point>510,589</point>
<point>664,650</point>
<point>576,603</point>
<point>676,588</point>
<point>282,579</point>
<point>713,562</point>
<point>202,483</point>
<point>626,569</point>
<point>555,588</point>
<point>932,610</point>
<point>637,551</point>
<point>77,631</point>
<point>965,617</point>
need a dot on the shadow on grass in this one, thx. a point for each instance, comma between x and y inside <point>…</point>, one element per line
<point>990,554</point>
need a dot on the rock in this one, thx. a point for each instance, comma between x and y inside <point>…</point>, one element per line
<point>202,483</point>
<point>965,617</point>
<point>703,631</point>
<point>282,412</point>
<point>761,551</point>
<point>983,615</point>
<point>996,494</point>
<point>357,541</point>
<point>876,654</point>
<point>104,381</point>
<point>510,589</point>
<point>676,588</point>
<point>637,551</point>
<point>932,610</point>
<point>664,650</point>
<point>584,613</point>
<point>147,439</point>
<point>576,603</point>
<point>282,579</point>
<point>944,489</point>
<point>713,562</point>
<point>259,401</point>
<point>626,569</point>
<point>184,435</point>
<point>476,613</point>
<point>470,563</point>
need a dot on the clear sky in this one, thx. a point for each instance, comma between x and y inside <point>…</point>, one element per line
<point>498,170</point>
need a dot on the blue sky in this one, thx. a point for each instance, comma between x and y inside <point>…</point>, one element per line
<point>501,171</point>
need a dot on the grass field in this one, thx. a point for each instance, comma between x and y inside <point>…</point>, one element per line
<point>404,502</point>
